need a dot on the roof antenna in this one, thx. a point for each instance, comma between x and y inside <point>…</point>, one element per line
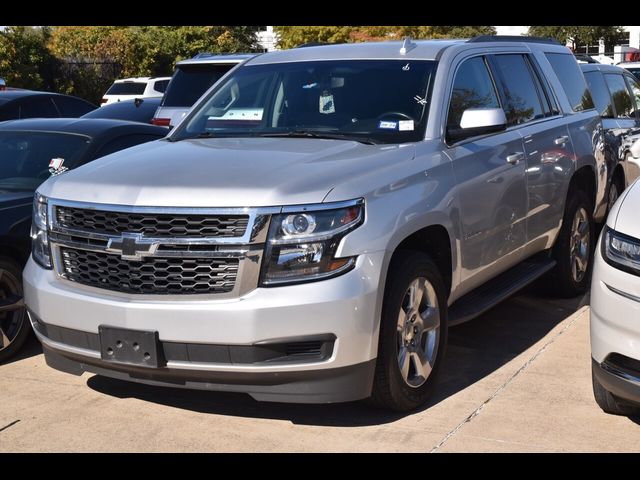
<point>407,46</point>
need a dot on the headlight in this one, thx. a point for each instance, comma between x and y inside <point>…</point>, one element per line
<point>39,238</point>
<point>621,251</point>
<point>302,244</point>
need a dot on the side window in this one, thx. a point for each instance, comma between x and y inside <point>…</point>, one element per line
<point>38,107</point>
<point>472,88</point>
<point>160,85</point>
<point>600,93</point>
<point>573,83</point>
<point>120,143</point>
<point>635,89</point>
<point>621,97</point>
<point>520,95</point>
<point>71,107</point>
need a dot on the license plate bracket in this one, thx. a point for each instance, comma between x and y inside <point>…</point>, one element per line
<point>131,347</point>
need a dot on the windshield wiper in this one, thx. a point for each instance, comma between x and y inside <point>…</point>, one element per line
<point>191,137</point>
<point>333,135</point>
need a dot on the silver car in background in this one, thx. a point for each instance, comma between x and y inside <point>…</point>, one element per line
<point>192,78</point>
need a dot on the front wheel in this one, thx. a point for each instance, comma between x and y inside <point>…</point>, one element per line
<point>573,250</point>
<point>413,333</point>
<point>14,326</point>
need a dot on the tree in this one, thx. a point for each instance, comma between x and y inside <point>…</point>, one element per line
<point>25,61</point>
<point>93,57</point>
<point>580,36</point>
<point>292,36</point>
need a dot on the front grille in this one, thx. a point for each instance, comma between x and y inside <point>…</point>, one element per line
<point>151,275</point>
<point>152,224</point>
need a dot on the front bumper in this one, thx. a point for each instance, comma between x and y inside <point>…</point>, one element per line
<point>615,311</point>
<point>345,308</point>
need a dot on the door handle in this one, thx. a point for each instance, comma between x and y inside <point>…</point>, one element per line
<point>561,140</point>
<point>515,158</point>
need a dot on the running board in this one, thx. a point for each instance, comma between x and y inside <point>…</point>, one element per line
<point>498,289</point>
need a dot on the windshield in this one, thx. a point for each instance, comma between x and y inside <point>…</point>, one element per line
<point>25,156</point>
<point>376,101</point>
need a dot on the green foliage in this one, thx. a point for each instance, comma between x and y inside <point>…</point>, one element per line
<point>84,60</point>
<point>292,36</point>
<point>579,35</point>
<point>25,61</point>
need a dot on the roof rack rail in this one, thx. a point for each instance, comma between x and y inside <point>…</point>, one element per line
<point>312,44</point>
<point>512,38</point>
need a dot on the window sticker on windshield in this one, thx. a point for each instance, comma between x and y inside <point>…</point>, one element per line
<point>310,85</point>
<point>405,125</point>
<point>387,125</point>
<point>406,68</point>
<point>326,103</point>
<point>420,100</point>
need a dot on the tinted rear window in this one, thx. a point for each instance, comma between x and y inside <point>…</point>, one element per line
<point>127,88</point>
<point>190,82</point>
<point>600,93</point>
<point>72,107</point>
<point>572,80</point>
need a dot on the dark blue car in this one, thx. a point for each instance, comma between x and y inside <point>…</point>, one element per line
<point>27,148</point>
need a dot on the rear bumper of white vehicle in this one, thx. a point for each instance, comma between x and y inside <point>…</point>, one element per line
<point>309,343</point>
<point>615,329</point>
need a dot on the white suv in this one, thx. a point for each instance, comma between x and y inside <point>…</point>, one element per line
<point>137,87</point>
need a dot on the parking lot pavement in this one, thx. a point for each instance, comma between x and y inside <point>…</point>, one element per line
<point>516,379</point>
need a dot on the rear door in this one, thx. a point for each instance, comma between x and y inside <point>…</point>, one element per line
<point>533,112</point>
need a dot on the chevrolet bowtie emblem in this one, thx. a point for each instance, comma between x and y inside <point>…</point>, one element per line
<point>131,246</point>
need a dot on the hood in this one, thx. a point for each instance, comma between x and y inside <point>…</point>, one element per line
<point>11,199</point>
<point>626,220</point>
<point>223,172</point>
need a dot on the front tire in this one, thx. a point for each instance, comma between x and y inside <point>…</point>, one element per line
<point>608,402</point>
<point>14,326</point>
<point>413,333</point>
<point>573,250</point>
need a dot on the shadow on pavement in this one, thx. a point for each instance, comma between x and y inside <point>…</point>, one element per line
<point>475,350</point>
<point>31,348</point>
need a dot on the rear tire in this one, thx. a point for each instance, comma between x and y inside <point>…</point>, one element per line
<point>574,247</point>
<point>615,190</point>
<point>413,333</point>
<point>14,325</point>
<point>609,403</point>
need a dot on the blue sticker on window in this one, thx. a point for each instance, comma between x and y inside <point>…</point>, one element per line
<point>387,125</point>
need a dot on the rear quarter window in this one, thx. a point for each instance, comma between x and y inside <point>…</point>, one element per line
<point>572,80</point>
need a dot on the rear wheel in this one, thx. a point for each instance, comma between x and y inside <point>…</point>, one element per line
<point>413,333</point>
<point>573,250</point>
<point>14,326</point>
<point>610,403</point>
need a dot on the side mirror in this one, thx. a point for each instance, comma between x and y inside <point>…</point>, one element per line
<point>635,149</point>
<point>478,121</point>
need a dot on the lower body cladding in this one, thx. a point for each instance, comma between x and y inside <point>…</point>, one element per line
<point>615,329</point>
<point>307,343</point>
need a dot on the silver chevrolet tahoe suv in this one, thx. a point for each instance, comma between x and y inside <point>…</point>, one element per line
<point>316,223</point>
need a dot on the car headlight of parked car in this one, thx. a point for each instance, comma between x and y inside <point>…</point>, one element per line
<point>621,251</point>
<point>302,244</point>
<point>39,239</point>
